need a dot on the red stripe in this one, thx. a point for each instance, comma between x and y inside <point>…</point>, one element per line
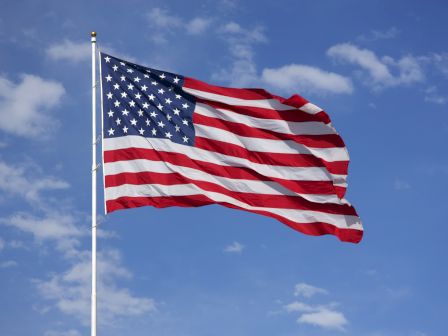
<point>313,141</point>
<point>314,229</point>
<point>264,113</point>
<point>275,159</point>
<point>302,187</point>
<point>253,199</point>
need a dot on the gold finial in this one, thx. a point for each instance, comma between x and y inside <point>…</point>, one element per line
<point>93,34</point>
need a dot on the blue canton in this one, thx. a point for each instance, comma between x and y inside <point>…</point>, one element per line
<point>145,102</point>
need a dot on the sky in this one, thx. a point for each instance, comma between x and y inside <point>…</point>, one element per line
<point>379,68</point>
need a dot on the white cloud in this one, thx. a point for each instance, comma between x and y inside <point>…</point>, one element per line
<point>52,226</point>
<point>376,35</point>
<point>242,70</point>
<point>8,263</point>
<point>71,332</point>
<point>432,95</point>
<point>70,291</point>
<point>235,247</point>
<point>161,18</point>
<point>16,180</point>
<point>25,107</point>
<point>70,51</point>
<point>305,78</point>
<point>165,24</point>
<point>401,185</point>
<point>325,318</point>
<point>306,290</point>
<point>380,71</point>
<point>198,25</point>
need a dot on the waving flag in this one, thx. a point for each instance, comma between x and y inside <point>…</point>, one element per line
<point>170,140</point>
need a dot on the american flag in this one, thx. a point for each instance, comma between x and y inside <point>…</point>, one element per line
<point>170,140</point>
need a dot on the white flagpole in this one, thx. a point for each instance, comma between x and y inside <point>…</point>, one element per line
<point>94,168</point>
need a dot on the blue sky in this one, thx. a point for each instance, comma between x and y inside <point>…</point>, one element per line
<point>379,68</point>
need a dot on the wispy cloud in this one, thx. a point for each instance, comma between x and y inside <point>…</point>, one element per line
<point>70,290</point>
<point>401,185</point>
<point>307,79</point>
<point>242,70</point>
<point>165,24</point>
<point>379,70</point>
<point>32,100</point>
<point>307,291</point>
<point>321,315</point>
<point>8,264</point>
<point>70,51</point>
<point>235,247</point>
<point>375,35</point>
<point>433,95</point>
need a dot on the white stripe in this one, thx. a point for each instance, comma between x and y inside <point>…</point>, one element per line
<point>298,216</point>
<point>310,108</point>
<point>237,185</point>
<point>280,126</point>
<point>282,172</point>
<point>269,145</point>
<point>272,104</point>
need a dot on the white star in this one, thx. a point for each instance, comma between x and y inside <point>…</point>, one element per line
<point>168,135</point>
<point>122,63</point>
<point>118,121</point>
<point>124,94</point>
<point>148,122</point>
<point>134,122</point>
<point>178,96</point>
<point>125,112</point>
<point>185,106</point>
<point>169,117</point>
<point>146,76</point>
<point>145,105</point>
<point>168,101</point>
<point>116,86</point>
<point>125,129</point>
<point>107,59</point>
<point>177,128</point>
<point>176,80</point>
<point>123,78</point>
<point>185,122</point>
<point>110,113</point>
<point>132,103</point>
<point>140,113</point>
<point>111,131</point>
<point>151,97</point>
<point>161,124</point>
<point>144,87</point>
<point>154,131</point>
<point>162,76</point>
<point>130,87</point>
<point>109,95</point>
<point>185,138</point>
<point>161,91</point>
<point>176,111</point>
<point>153,114</point>
<point>141,131</point>
<point>116,103</point>
<point>108,78</point>
<point>137,79</point>
<point>115,67</point>
<point>153,83</point>
<point>130,70</point>
<point>171,88</point>
<point>160,107</point>
<point>138,96</point>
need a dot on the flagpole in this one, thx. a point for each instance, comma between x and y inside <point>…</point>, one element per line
<point>94,168</point>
